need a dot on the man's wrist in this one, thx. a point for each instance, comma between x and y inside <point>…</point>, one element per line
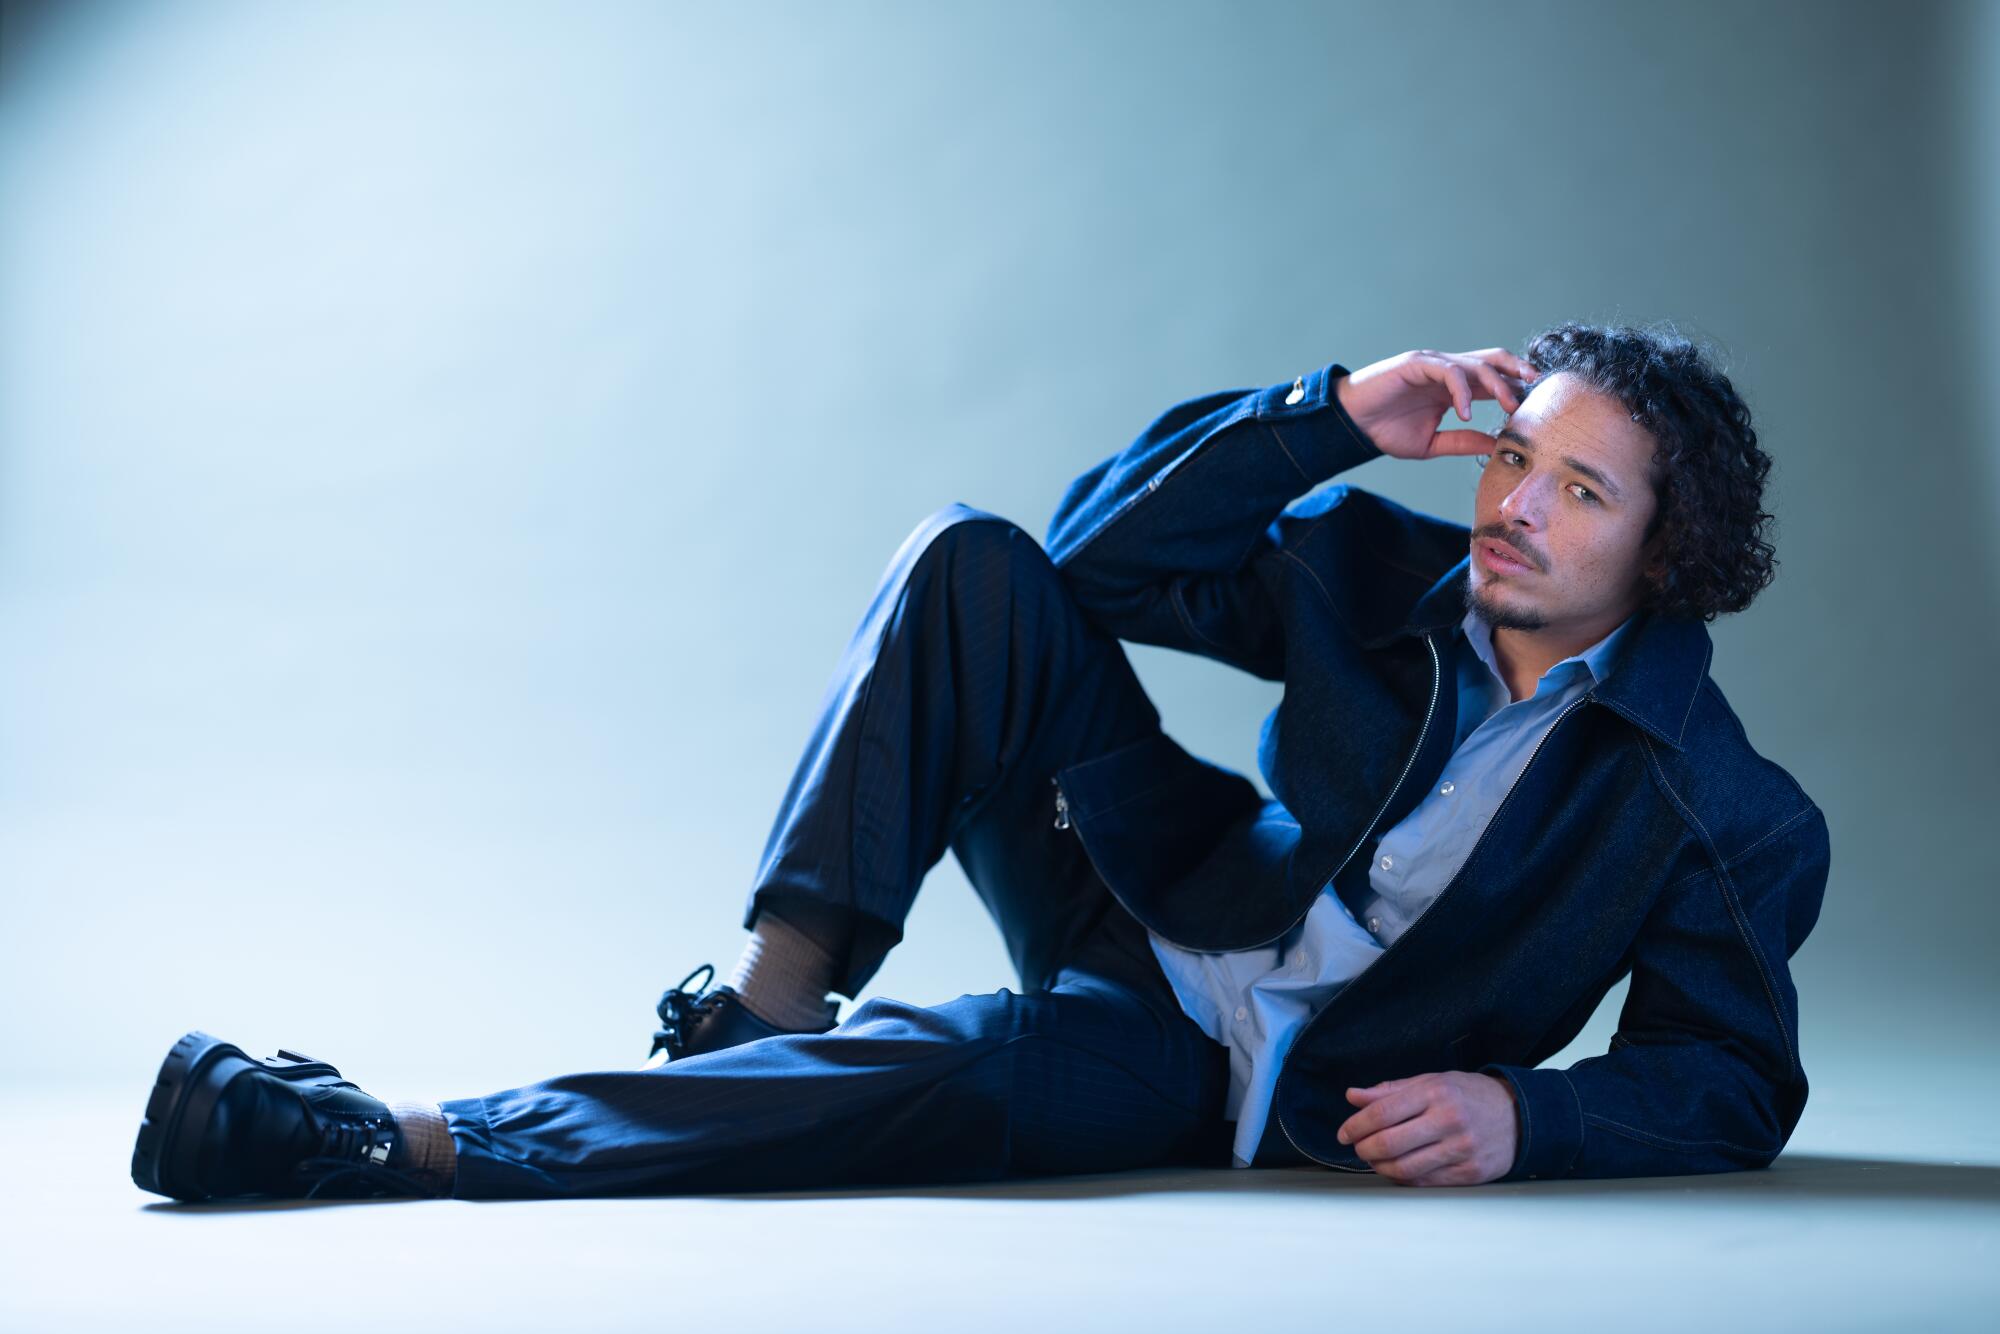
<point>1337,393</point>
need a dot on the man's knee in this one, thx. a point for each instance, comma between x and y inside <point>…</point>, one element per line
<point>973,538</point>
<point>959,524</point>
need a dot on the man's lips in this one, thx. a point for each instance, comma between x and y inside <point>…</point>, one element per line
<point>1501,558</point>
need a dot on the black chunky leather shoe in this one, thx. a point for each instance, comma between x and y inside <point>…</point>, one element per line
<point>693,1022</point>
<point>224,1125</point>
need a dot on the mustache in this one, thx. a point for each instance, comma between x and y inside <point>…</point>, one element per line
<point>1504,540</point>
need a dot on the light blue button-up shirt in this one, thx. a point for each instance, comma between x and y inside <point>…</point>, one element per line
<point>1256,1001</point>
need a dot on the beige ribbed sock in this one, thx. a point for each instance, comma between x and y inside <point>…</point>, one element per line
<point>427,1150</point>
<point>783,975</point>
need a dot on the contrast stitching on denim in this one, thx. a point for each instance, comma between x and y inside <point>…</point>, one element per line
<point>1347,423</point>
<point>1187,621</point>
<point>1579,1119</point>
<point>1325,596</point>
<point>1695,694</point>
<point>1735,905</point>
<point>1739,856</point>
<point>1744,737</point>
<point>1279,437</point>
<point>1425,576</point>
<point>1736,914</point>
<point>1667,1141</point>
<point>1298,539</point>
<point>1527,1124</point>
<point>1312,525</point>
<point>1175,468</point>
<point>1247,557</point>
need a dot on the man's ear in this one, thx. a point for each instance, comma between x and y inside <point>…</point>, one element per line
<point>1653,560</point>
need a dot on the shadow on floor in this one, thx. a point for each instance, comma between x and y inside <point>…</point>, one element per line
<point>1794,1178</point>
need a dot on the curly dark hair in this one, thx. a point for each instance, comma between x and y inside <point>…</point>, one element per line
<point>1708,473</point>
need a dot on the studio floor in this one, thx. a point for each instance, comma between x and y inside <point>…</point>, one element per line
<point>1841,1233</point>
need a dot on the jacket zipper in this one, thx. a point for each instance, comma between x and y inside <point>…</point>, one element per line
<point>1491,821</point>
<point>1437,681</point>
<point>1430,711</point>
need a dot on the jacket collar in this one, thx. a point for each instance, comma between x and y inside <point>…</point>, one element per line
<point>1653,682</point>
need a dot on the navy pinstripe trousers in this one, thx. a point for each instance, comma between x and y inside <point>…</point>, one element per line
<point>972,678</point>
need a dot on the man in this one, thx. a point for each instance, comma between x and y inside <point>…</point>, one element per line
<point>1501,781</point>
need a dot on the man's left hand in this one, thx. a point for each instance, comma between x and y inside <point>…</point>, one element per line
<point>1453,1128</point>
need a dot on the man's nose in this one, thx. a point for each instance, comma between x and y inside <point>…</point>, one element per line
<point>1525,503</point>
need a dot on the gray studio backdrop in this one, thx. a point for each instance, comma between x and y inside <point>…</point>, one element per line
<point>444,449</point>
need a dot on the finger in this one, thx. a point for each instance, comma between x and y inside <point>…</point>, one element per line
<point>1460,442</point>
<point>1399,1140</point>
<point>1397,1106</point>
<point>1374,1091</point>
<point>1428,1165</point>
<point>1461,390</point>
<point>1499,387</point>
<point>1518,367</point>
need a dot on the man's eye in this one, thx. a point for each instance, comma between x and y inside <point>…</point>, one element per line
<point>1586,493</point>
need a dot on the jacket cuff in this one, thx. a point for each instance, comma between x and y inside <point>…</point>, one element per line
<point>1551,1121</point>
<point>1316,429</point>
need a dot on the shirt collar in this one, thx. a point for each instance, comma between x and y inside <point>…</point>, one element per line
<point>1597,660</point>
<point>1661,671</point>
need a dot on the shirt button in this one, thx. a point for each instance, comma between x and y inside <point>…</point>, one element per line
<point>1388,862</point>
<point>1446,789</point>
<point>1241,1014</point>
<point>1298,391</point>
<point>1374,924</point>
<point>1303,963</point>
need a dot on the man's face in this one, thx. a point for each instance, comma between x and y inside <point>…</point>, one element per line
<point>1568,490</point>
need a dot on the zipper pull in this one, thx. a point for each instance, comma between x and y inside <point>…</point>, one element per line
<point>1062,806</point>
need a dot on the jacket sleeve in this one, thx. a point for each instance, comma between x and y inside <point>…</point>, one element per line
<point>1177,539</point>
<point>1703,1073</point>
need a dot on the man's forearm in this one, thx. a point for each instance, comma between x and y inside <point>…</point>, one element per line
<point>1158,541</point>
<point>1207,471</point>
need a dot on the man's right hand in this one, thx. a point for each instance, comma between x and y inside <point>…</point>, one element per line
<point>1398,403</point>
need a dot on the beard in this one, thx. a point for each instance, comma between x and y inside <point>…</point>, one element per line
<point>1497,614</point>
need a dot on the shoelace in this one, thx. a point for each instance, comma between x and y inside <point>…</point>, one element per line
<point>680,1009</point>
<point>342,1155</point>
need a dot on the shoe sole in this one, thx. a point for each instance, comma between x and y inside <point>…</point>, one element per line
<point>166,1155</point>
<point>185,1092</point>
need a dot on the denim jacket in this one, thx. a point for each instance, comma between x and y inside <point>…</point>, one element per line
<point>1645,836</point>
